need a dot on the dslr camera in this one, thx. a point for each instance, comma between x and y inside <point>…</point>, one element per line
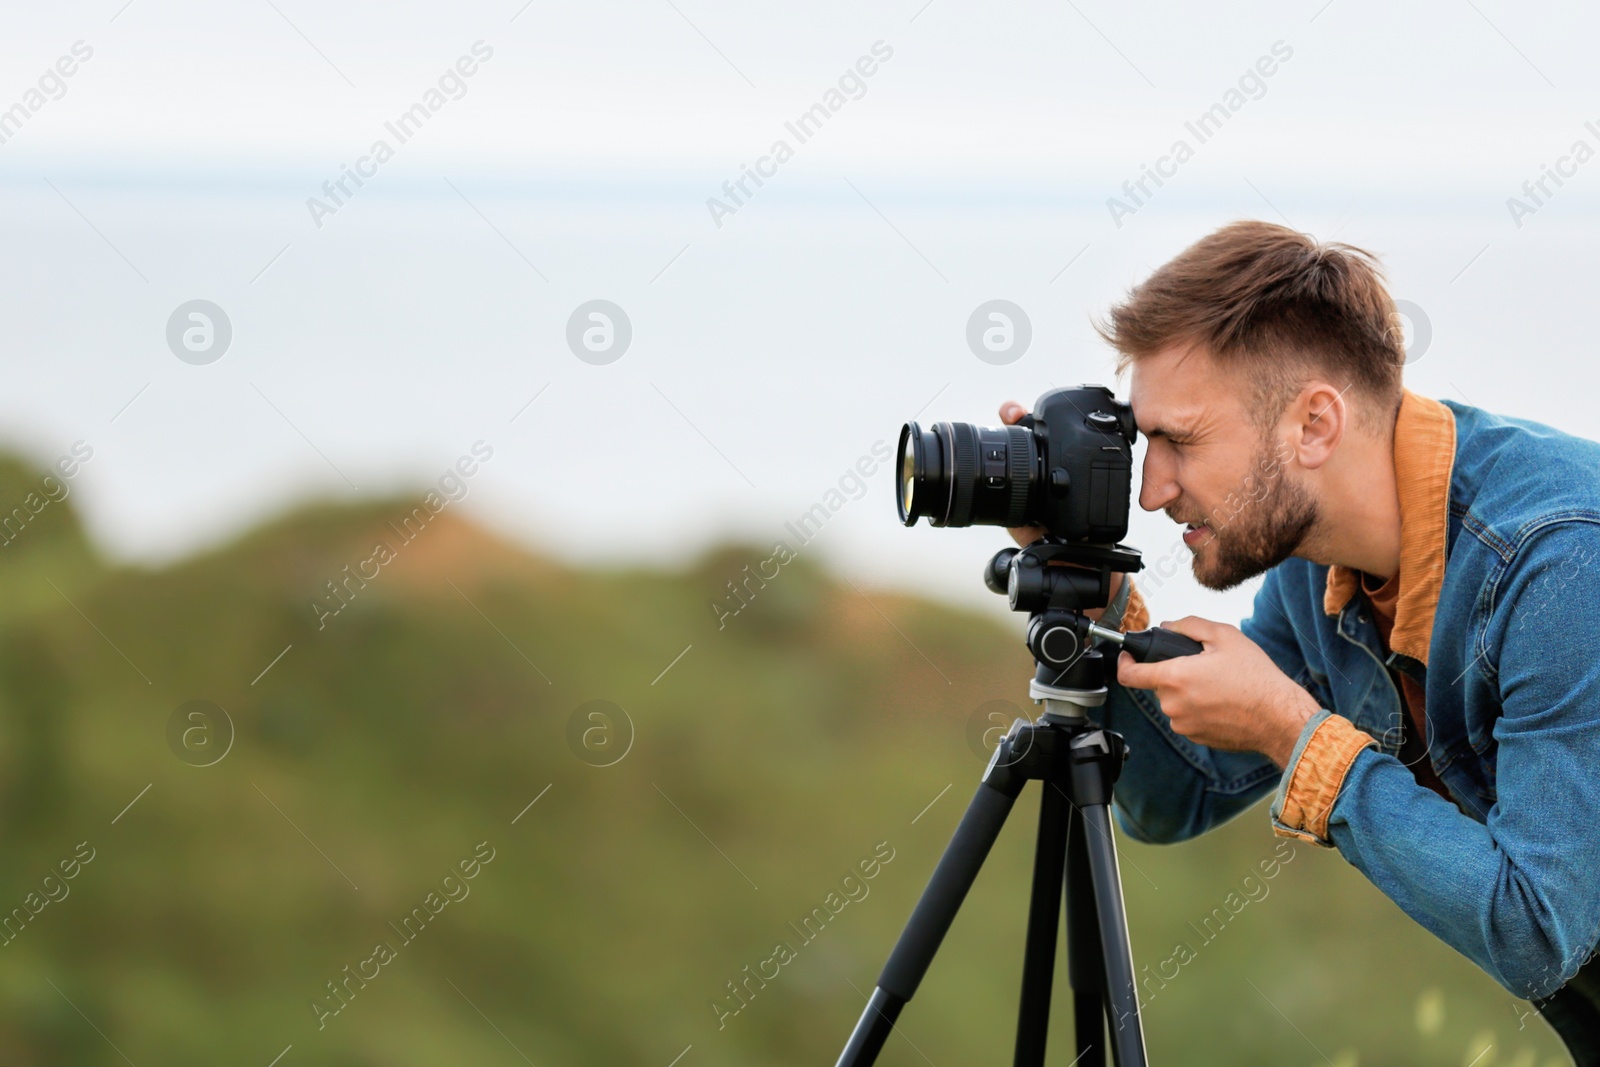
<point>1068,467</point>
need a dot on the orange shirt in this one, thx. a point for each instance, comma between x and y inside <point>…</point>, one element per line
<point>1384,598</point>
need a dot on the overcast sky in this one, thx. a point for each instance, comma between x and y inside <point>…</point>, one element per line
<point>375,339</point>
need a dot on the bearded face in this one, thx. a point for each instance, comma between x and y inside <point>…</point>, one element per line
<point>1266,530</point>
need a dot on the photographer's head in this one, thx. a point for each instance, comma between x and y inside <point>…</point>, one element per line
<point>1266,377</point>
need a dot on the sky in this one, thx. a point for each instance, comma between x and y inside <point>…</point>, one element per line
<point>970,153</point>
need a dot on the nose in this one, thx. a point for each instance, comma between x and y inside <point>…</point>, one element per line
<point>1156,487</point>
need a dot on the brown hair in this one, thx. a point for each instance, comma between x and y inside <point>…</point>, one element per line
<point>1278,306</point>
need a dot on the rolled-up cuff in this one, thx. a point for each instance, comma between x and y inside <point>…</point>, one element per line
<point>1310,785</point>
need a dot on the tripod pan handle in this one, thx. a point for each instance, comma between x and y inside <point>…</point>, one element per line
<point>1149,646</point>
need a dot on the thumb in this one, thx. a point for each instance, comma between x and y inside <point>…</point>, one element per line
<point>1011,411</point>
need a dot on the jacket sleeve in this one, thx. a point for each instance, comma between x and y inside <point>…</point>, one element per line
<point>1516,893</point>
<point>1171,788</point>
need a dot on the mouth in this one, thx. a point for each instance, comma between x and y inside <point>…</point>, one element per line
<point>1196,533</point>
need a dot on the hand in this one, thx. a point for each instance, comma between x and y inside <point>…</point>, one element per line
<point>1230,696</point>
<point>1011,413</point>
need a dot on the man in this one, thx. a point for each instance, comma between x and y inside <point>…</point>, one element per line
<point>1419,683</point>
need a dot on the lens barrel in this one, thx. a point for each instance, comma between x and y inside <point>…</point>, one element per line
<point>958,474</point>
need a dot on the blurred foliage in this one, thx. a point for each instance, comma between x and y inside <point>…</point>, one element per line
<point>768,757</point>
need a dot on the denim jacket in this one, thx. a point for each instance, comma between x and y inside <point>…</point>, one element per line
<point>1499,619</point>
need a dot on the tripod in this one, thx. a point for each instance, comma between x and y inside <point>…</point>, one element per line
<point>1078,763</point>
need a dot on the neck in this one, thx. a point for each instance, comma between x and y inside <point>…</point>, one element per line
<point>1358,524</point>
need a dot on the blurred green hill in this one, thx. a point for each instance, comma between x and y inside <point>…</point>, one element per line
<point>753,766</point>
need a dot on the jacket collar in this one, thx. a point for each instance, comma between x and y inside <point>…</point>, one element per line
<point>1424,455</point>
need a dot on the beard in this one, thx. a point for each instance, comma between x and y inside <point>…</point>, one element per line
<point>1261,534</point>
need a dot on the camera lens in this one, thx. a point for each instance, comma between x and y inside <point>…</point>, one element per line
<point>958,474</point>
<point>921,464</point>
<point>908,482</point>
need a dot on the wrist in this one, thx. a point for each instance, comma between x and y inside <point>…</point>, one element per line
<point>1293,724</point>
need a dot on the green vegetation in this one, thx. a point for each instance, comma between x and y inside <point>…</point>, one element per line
<point>394,745</point>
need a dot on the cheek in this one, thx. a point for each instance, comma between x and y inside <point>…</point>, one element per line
<point>1221,479</point>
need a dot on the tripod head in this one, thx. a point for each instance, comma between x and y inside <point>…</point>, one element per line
<point>1055,581</point>
<point>1070,673</point>
<point>1024,575</point>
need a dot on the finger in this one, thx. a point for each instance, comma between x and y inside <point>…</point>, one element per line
<point>1027,535</point>
<point>1130,672</point>
<point>1011,411</point>
<point>1201,630</point>
<point>1181,726</point>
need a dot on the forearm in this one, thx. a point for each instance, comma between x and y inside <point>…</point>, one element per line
<point>1503,910</point>
<point>1502,893</point>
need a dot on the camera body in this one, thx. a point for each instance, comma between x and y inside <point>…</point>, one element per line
<point>1067,467</point>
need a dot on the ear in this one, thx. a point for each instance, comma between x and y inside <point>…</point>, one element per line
<point>1317,421</point>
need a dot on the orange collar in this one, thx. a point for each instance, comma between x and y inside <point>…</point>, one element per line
<point>1424,453</point>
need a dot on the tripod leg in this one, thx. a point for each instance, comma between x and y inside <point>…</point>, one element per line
<point>1085,964</point>
<point>1044,913</point>
<point>1122,998</point>
<point>935,911</point>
